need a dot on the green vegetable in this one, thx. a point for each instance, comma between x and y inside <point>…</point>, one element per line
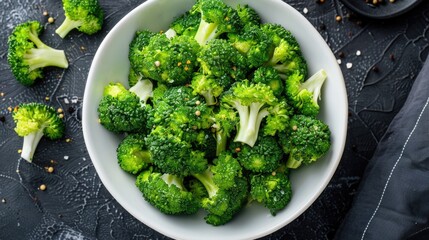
<point>28,55</point>
<point>133,155</point>
<point>33,121</point>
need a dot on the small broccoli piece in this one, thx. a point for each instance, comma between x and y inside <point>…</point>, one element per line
<point>33,121</point>
<point>28,55</point>
<point>170,61</point>
<point>307,140</point>
<point>278,119</point>
<point>253,43</point>
<point>84,15</point>
<point>271,189</point>
<point>225,170</point>
<point>222,203</point>
<point>216,18</point>
<point>197,189</point>
<point>225,122</point>
<point>252,102</point>
<point>264,156</point>
<point>135,55</point>
<point>133,155</point>
<point>167,193</point>
<point>174,155</point>
<point>121,110</point>
<point>208,86</point>
<point>248,15</point>
<point>186,24</point>
<point>304,96</point>
<point>286,57</point>
<point>269,76</point>
<point>158,93</point>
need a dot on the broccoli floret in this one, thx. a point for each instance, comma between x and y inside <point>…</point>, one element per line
<point>278,119</point>
<point>196,188</point>
<point>216,18</point>
<point>186,24</point>
<point>135,55</point>
<point>170,61</point>
<point>271,189</point>
<point>225,170</point>
<point>28,55</point>
<point>253,43</point>
<point>133,155</point>
<point>84,15</point>
<point>33,121</point>
<point>225,122</point>
<point>167,193</point>
<point>307,140</point>
<point>208,86</point>
<point>252,101</point>
<point>304,96</point>
<point>222,203</point>
<point>121,110</point>
<point>269,76</point>
<point>248,15</point>
<point>287,56</point>
<point>264,156</point>
<point>173,154</point>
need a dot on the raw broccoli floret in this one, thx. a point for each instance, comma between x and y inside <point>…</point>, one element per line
<point>306,140</point>
<point>121,110</point>
<point>167,193</point>
<point>222,203</point>
<point>252,101</point>
<point>84,15</point>
<point>28,55</point>
<point>170,61</point>
<point>269,76</point>
<point>135,55</point>
<point>304,96</point>
<point>186,24</point>
<point>286,56</point>
<point>33,121</point>
<point>216,18</point>
<point>133,155</point>
<point>273,190</point>
<point>264,156</point>
<point>248,15</point>
<point>225,122</point>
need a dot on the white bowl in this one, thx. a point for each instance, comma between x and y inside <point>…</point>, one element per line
<point>111,64</point>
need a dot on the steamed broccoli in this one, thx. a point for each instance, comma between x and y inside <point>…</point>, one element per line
<point>28,55</point>
<point>225,122</point>
<point>133,155</point>
<point>167,192</point>
<point>307,140</point>
<point>135,54</point>
<point>269,76</point>
<point>186,24</point>
<point>122,110</point>
<point>248,15</point>
<point>84,15</point>
<point>33,121</point>
<point>216,18</point>
<point>271,189</point>
<point>304,96</point>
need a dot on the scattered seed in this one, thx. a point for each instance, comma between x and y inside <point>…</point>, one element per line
<point>197,102</point>
<point>68,140</point>
<point>1,94</point>
<point>179,64</point>
<point>3,200</point>
<point>339,61</point>
<point>50,169</point>
<point>273,173</point>
<point>237,150</point>
<point>51,20</point>
<point>45,13</point>
<point>9,109</point>
<point>294,127</point>
<point>61,115</point>
<point>157,63</point>
<point>338,18</point>
<point>198,113</point>
<point>59,110</point>
<point>47,98</point>
<point>349,65</point>
<point>391,1</point>
<point>42,187</point>
<point>358,53</point>
<point>186,68</point>
<point>188,62</point>
<point>19,150</point>
<point>305,10</point>
<point>66,157</point>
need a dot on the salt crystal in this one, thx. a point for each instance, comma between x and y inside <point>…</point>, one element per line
<point>66,157</point>
<point>339,61</point>
<point>305,10</point>
<point>358,53</point>
<point>349,65</point>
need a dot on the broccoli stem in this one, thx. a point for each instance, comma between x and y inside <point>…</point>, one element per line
<point>45,56</point>
<point>30,144</point>
<point>67,26</point>
<point>143,89</point>
<point>171,179</point>
<point>250,120</point>
<point>206,178</point>
<point>221,140</point>
<point>210,99</point>
<point>314,84</point>
<point>206,31</point>
<point>293,163</point>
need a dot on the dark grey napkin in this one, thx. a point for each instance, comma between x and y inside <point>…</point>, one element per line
<point>392,201</point>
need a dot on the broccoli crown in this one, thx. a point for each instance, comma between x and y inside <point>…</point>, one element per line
<point>28,55</point>
<point>196,188</point>
<point>207,86</point>
<point>248,15</point>
<point>139,42</point>
<point>133,155</point>
<point>278,119</point>
<point>304,96</point>
<point>33,121</point>
<point>225,170</point>
<point>251,101</point>
<point>84,15</point>
<point>273,190</point>
<point>171,61</point>
<point>253,43</point>
<point>269,76</point>
<point>264,156</point>
<point>308,139</point>
<point>221,60</point>
<point>120,110</point>
<point>222,202</point>
<point>216,18</point>
<point>225,121</point>
<point>167,193</point>
<point>186,24</point>
<point>173,154</point>
<point>286,56</point>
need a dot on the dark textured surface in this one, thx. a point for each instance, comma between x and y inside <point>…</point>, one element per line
<point>77,206</point>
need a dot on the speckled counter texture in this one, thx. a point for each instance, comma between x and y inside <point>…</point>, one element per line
<point>379,60</point>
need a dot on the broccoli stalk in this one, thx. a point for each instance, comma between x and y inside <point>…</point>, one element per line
<point>143,89</point>
<point>33,121</point>
<point>225,122</point>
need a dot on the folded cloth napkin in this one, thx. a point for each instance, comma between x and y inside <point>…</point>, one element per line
<point>392,201</point>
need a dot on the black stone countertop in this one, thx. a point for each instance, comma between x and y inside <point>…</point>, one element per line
<point>384,58</point>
